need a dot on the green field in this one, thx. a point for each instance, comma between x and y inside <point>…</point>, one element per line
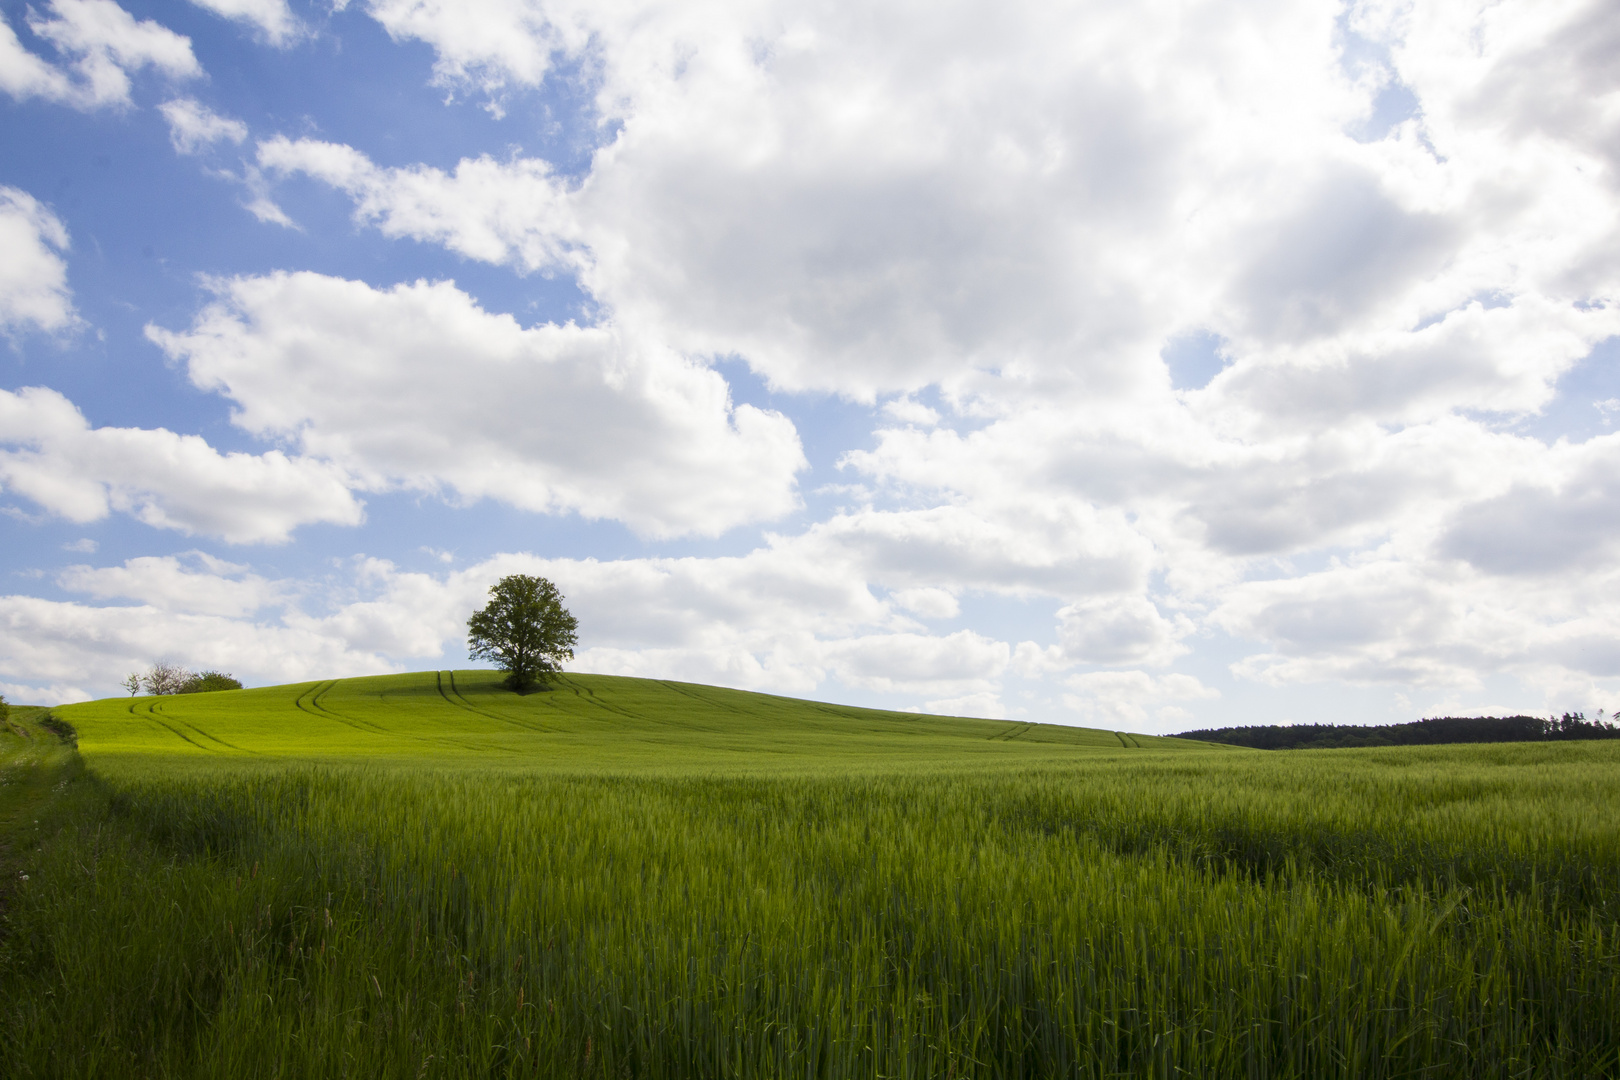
<point>427,875</point>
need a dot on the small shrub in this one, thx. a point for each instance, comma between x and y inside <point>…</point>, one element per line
<point>204,682</point>
<point>60,728</point>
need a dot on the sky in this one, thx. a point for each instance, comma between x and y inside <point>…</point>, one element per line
<point>1145,365</point>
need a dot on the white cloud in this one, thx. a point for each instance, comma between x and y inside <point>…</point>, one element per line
<point>193,125</point>
<point>498,213</point>
<point>547,418</point>
<point>196,583</point>
<point>271,18</point>
<point>964,662</point>
<point>483,43</point>
<point>103,45</point>
<point>33,274</point>
<point>51,455</point>
<point>24,75</point>
<point>1439,624</point>
<point>985,705</point>
<point>1029,549</point>
<point>929,603</point>
<point>1107,698</point>
<point>908,410</point>
<point>50,694</point>
<point>1121,630</point>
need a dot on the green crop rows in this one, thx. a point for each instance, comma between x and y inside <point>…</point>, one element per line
<point>422,875</point>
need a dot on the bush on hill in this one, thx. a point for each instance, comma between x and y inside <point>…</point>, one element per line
<point>173,679</point>
<point>1427,732</point>
<point>207,681</point>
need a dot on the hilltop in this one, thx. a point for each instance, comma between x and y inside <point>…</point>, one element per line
<point>585,721</point>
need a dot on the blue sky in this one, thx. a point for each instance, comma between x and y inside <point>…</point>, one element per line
<point>1142,366</point>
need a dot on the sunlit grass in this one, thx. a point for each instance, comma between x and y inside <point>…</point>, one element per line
<point>401,877</point>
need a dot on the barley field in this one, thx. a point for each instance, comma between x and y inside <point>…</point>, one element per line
<point>429,876</point>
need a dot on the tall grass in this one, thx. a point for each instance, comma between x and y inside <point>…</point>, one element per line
<point>1439,912</point>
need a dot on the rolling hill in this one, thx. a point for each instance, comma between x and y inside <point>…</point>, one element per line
<point>586,721</point>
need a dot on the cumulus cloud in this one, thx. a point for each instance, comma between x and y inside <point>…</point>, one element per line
<point>1121,630</point>
<point>33,275</point>
<point>1106,698</point>
<point>547,418</point>
<point>52,456</point>
<point>272,19</point>
<point>485,43</point>
<point>497,212</point>
<point>193,125</point>
<point>101,44</point>
<point>929,603</point>
<point>963,661</point>
<point>1564,519</point>
<point>196,583</point>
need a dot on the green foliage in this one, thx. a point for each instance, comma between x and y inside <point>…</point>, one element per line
<point>58,727</point>
<point>205,682</point>
<point>5,709</point>
<point>422,876</point>
<point>524,629</point>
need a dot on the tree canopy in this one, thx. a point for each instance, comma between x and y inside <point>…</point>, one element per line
<point>524,629</point>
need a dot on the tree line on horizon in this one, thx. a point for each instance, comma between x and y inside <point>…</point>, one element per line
<point>1430,731</point>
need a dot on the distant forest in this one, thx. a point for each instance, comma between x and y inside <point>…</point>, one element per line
<point>1427,732</point>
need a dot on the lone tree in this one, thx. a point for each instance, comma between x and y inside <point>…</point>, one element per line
<point>525,629</point>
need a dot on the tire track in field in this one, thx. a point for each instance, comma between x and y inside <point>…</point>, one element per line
<point>216,738</point>
<point>460,701</point>
<point>590,698</point>
<point>320,694</point>
<point>151,714</point>
<point>314,709</point>
<point>1022,729</point>
<point>152,710</point>
<point>695,696</point>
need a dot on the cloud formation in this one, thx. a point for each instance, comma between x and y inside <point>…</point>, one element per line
<point>565,418</point>
<point>52,456</point>
<point>273,20</point>
<point>101,44</point>
<point>33,274</point>
<point>193,125</point>
<point>496,212</point>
